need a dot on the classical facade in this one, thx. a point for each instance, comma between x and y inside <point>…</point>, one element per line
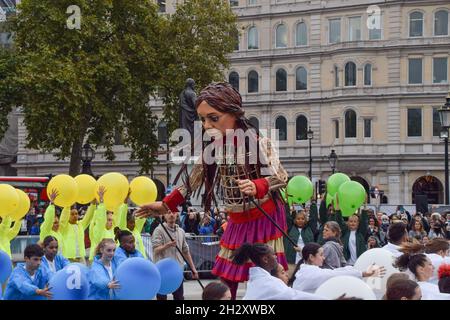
<point>366,76</point>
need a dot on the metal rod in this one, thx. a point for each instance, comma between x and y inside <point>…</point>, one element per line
<point>178,249</point>
<point>446,172</point>
<point>273,221</point>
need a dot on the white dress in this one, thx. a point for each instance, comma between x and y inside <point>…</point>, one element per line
<point>309,277</point>
<point>436,260</point>
<point>394,249</point>
<point>263,286</point>
<point>431,291</point>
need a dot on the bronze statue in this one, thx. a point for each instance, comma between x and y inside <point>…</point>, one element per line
<point>188,114</point>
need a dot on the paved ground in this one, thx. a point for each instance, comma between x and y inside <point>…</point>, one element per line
<point>193,291</point>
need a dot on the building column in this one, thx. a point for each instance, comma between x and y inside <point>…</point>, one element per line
<point>394,187</point>
<point>406,193</point>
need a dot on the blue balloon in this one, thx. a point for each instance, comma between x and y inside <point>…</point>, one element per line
<point>70,283</point>
<point>5,266</point>
<point>171,275</point>
<point>83,267</point>
<point>139,279</point>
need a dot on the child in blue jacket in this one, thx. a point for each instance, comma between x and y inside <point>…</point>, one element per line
<point>52,261</point>
<point>28,281</point>
<point>127,248</point>
<point>102,272</point>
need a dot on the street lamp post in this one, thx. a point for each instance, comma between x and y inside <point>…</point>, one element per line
<point>310,135</point>
<point>332,159</point>
<point>444,116</point>
<point>87,155</point>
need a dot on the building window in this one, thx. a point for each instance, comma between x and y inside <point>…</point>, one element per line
<point>368,74</point>
<point>162,133</point>
<point>253,80</point>
<point>414,122</point>
<point>436,123</point>
<point>252,38</point>
<point>234,3</point>
<point>301,79</point>
<point>336,76</point>
<point>335,30</point>
<point>301,128</point>
<point>350,74</point>
<point>415,71</point>
<point>162,5</point>
<point>367,128</point>
<point>254,122</point>
<point>281,125</point>
<point>354,29</point>
<point>281,36</point>
<point>336,129</point>
<point>281,80</point>
<point>416,24</point>
<point>252,2</point>
<point>375,29</point>
<point>301,35</point>
<point>440,70</point>
<point>350,124</point>
<point>441,23</point>
<point>233,79</point>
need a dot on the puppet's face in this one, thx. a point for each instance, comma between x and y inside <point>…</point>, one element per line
<point>215,121</point>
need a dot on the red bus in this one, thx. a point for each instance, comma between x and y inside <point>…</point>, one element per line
<point>35,187</point>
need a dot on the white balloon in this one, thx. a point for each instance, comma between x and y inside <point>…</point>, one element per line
<point>352,287</point>
<point>379,257</point>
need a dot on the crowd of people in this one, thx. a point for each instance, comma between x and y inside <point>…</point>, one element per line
<point>281,253</point>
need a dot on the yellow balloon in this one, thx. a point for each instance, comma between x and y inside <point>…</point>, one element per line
<point>116,185</point>
<point>24,206</point>
<point>143,191</point>
<point>9,200</point>
<point>86,188</point>
<point>67,190</point>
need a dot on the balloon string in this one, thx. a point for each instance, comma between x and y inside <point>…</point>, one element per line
<point>178,249</point>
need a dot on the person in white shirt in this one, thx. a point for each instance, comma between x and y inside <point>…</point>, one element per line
<point>309,275</point>
<point>397,235</point>
<point>261,284</point>
<point>422,268</point>
<point>436,250</point>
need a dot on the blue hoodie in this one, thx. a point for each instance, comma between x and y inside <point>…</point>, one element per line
<point>22,287</point>
<point>121,255</point>
<point>60,263</point>
<point>99,279</point>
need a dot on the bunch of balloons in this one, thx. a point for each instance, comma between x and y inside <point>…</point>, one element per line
<point>14,202</point>
<point>349,195</point>
<point>83,189</point>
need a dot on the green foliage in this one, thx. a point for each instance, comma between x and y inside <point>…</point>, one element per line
<point>200,35</point>
<point>96,81</point>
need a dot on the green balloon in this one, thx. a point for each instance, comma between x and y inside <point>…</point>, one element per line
<point>329,199</point>
<point>335,181</point>
<point>300,188</point>
<point>351,196</point>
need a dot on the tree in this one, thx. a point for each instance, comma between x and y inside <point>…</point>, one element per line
<point>200,35</point>
<point>88,84</point>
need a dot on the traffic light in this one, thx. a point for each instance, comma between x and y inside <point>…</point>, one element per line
<point>322,187</point>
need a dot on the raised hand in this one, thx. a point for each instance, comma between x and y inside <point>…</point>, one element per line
<point>101,193</point>
<point>53,195</point>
